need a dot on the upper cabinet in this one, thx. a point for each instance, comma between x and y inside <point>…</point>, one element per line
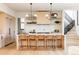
<point>43,18</point>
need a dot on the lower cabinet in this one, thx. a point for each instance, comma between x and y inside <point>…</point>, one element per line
<point>8,39</point>
<point>2,41</point>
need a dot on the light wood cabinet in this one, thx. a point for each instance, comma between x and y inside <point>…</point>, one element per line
<point>7,28</point>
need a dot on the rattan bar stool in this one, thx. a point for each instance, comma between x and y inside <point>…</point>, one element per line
<point>49,41</point>
<point>41,41</point>
<point>23,38</point>
<point>58,41</point>
<point>32,42</point>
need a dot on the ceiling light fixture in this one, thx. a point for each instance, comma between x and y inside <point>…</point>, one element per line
<point>52,14</point>
<point>31,16</point>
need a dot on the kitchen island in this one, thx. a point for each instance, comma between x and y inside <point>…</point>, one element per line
<point>40,41</point>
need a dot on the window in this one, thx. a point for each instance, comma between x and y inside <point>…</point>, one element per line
<point>22,23</point>
<point>22,19</point>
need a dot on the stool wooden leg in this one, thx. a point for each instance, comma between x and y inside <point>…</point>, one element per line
<point>45,44</point>
<point>53,43</point>
<point>21,45</point>
<point>27,44</point>
<point>36,44</point>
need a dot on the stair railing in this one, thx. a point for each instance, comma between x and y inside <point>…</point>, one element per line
<point>70,25</point>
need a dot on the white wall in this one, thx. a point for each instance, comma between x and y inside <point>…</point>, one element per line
<point>39,28</point>
<point>21,14</point>
<point>77,26</point>
<point>6,9</point>
<point>72,14</point>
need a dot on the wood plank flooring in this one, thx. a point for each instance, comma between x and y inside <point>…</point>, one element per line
<point>11,50</point>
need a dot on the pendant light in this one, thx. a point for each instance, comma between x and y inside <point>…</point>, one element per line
<point>31,11</point>
<point>50,10</point>
<point>33,16</point>
<point>52,14</point>
<point>29,16</point>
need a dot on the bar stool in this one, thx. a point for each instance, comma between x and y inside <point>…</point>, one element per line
<point>54,42</point>
<point>62,41</point>
<point>32,42</point>
<point>23,38</point>
<point>40,41</point>
<point>49,41</point>
<point>58,42</point>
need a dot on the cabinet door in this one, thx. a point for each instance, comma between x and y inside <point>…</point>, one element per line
<point>43,18</point>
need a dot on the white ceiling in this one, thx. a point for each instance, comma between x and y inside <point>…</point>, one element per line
<point>23,7</point>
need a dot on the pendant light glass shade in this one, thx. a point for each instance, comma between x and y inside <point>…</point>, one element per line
<point>31,16</point>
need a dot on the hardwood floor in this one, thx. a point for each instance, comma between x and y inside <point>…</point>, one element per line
<point>73,50</point>
<point>11,50</point>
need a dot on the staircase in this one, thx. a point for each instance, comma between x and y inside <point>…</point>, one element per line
<point>69,23</point>
<point>69,26</point>
<point>70,31</point>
